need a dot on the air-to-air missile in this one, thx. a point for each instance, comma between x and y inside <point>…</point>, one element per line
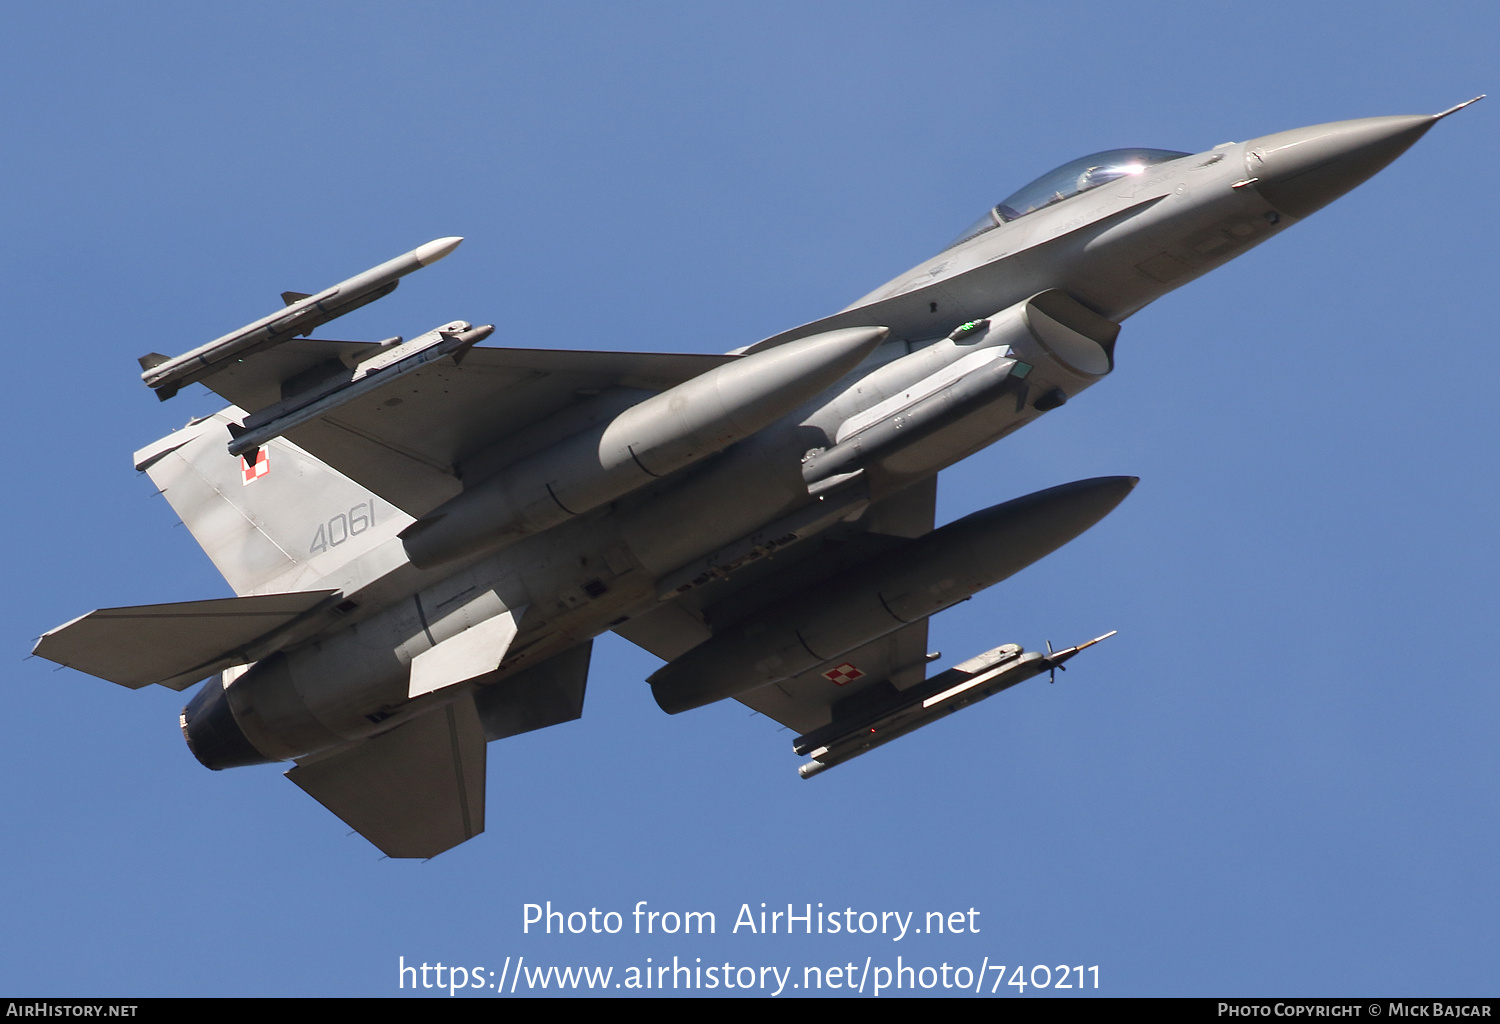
<point>426,536</point>
<point>877,715</point>
<point>392,360</point>
<point>166,376</point>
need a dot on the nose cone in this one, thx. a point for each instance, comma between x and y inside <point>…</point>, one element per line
<point>436,249</point>
<point>1305,169</point>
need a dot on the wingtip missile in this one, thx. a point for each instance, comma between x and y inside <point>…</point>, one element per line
<point>963,685</point>
<point>301,314</point>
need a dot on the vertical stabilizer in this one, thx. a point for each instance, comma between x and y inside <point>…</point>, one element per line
<point>280,523</point>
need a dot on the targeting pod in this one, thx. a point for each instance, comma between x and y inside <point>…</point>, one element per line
<point>1009,368</point>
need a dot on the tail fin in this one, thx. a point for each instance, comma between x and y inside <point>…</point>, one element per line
<point>281,524</point>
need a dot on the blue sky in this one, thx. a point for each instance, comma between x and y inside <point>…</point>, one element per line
<point>1280,778</point>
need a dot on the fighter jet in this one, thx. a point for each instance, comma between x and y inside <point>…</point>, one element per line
<point>427,535</point>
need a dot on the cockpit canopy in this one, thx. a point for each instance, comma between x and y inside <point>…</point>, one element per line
<point>1067,181</point>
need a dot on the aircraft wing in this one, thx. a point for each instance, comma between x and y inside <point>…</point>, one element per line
<point>806,702</point>
<point>408,439</point>
<point>414,791</point>
<point>173,644</point>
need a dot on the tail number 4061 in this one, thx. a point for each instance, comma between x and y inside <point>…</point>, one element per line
<point>343,526</point>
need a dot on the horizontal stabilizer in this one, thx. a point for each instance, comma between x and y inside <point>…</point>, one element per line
<point>414,791</point>
<point>172,644</point>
